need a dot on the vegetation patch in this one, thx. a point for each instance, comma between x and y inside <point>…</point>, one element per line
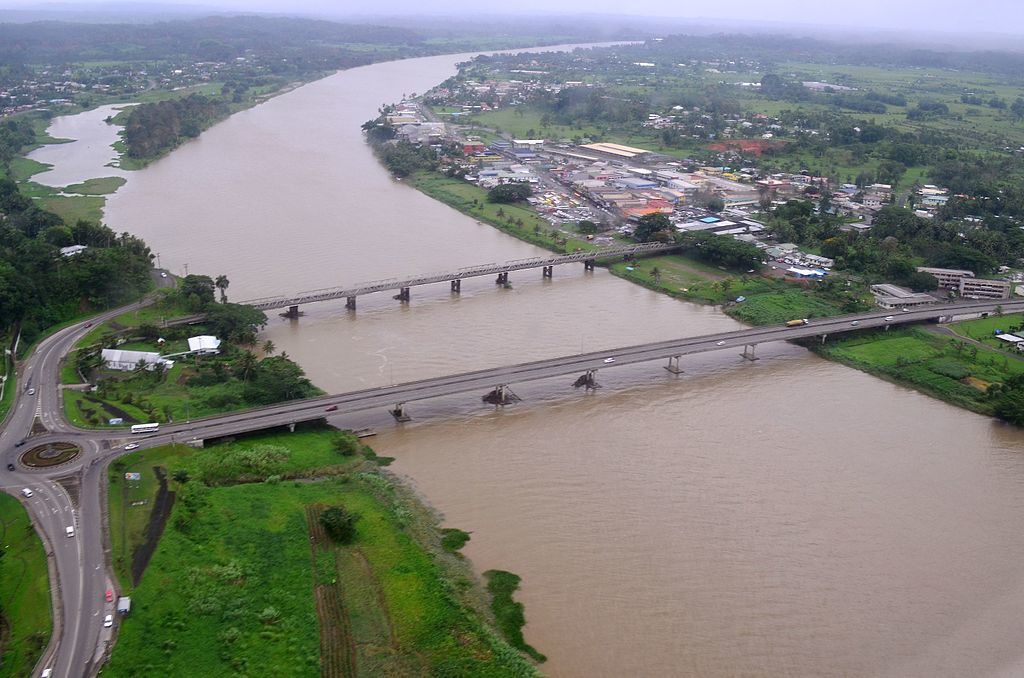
<point>25,623</point>
<point>98,186</point>
<point>49,455</point>
<point>246,579</point>
<point>453,539</point>
<point>509,613</point>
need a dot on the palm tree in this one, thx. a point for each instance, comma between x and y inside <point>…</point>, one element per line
<point>268,347</point>
<point>247,363</point>
<point>221,283</point>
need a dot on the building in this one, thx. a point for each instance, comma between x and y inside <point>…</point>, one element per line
<point>894,296</point>
<point>949,278</point>
<point>978,288</point>
<point>204,345</point>
<point>617,151</point>
<point>72,250</point>
<point>125,361</point>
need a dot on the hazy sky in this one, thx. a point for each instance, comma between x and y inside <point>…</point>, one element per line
<point>912,16</point>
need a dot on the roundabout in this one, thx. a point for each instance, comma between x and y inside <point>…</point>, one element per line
<point>50,455</point>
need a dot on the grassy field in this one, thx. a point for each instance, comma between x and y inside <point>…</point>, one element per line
<point>100,186</point>
<point>25,622</point>
<point>983,329</point>
<point>243,582</point>
<point>521,222</point>
<point>939,365</point>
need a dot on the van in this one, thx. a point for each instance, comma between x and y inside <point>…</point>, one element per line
<point>46,673</point>
<point>27,492</point>
<point>70,530</point>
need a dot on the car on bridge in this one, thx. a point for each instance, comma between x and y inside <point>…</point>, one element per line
<point>131,446</point>
<point>330,408</point>
<point>609,360</point>
<point>888,318</point>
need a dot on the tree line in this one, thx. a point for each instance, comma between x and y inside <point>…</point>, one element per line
<point>39,287</point>
<point>152,129</point>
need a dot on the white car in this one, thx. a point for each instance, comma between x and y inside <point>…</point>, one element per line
<point>720,343</point>
<point>131,446</point>
<point>609,360</point>
<point>888,318</point>
<point>855,323</point>
<point>163,274</point>
<point>108,621</point>
<point>70,530</point>
<point>27,492</point>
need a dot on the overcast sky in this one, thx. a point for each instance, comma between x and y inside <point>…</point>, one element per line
<point>952,16</point>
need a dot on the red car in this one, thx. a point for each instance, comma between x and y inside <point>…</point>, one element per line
<point>332,408</point>
<point>110,596</point>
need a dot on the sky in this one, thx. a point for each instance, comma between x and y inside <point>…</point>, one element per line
<point>955,17</point>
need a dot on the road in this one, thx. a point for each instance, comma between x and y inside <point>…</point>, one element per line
<point>81,563</point>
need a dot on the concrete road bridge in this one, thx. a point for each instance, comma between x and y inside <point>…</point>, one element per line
<point>455,277</point>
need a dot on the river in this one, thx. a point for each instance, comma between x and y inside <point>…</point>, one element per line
<point>788,516</point>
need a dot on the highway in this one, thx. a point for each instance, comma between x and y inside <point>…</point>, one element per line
<point>82,564</point>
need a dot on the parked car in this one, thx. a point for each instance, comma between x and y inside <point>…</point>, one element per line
<point>108,621</point>
<point>109,597</point>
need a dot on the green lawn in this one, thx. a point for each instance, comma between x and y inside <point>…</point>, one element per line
<point>100,186</point>
<point>231,588</point>
<point>24,591</point>
<point>983,329</point>
<point>954,371</point>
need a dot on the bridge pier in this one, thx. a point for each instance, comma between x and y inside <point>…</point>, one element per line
<point>588,264</point>
<point>500,395</point>
<point>548,271</point>
<point>291,427</point>
<point>588,379</point>
<point>350,303</point>
<point>292,312</point>
<point>673,365</point>
<point>751,354</point>
<point>823,338</point>
<point>403,295</point>
<point>456,286</point>
<point>399,413</point>
<point>502,278</point>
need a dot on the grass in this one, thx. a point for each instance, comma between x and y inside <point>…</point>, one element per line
<point>24,591</point>
<point>100,186</point>
<point>230,589</point>
<point>472,200</point>
<point>502,585</point>
<point>983,329</point>
<point>956,372</point>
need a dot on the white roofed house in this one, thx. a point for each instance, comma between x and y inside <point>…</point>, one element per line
<point>125,361</point>
<point>204,345</point>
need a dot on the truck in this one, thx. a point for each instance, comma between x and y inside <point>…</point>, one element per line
<point>797,323</point>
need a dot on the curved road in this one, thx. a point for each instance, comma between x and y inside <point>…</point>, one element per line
<point>71,495</point>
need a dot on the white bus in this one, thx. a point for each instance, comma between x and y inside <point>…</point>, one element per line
<point>145,428</point>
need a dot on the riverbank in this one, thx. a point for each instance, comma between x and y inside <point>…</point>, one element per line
<point>25,621</point>
<point>272,590</point>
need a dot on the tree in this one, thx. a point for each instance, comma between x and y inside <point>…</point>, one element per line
<point>268,347</point>
<point>235,322</point>
<point>586,227</point>
<point>222,284</point>
<point>509,193</point>
<point>199,286</point>
<point>340,524</point>
<point>247,365</point>
<point>650,224</point>
<point>920,281</point>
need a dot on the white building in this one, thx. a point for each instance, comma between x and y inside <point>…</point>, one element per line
<point>204,345</point>
<point>125,361</point>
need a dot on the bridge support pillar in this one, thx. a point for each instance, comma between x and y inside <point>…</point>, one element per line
<point>399,413</point>
<point>548,271</point>
<point>502,278</point>
<point>403,295</point>
<point>456,286</point>
<point>291,427</point>
<point>500,395</point>
<point>588,265</point>
<point>350,303</point>
<point>823,338</point>
<point>292,312</point>
<point>749,352</point>
<point>588,379</point>
<point>673,365</point>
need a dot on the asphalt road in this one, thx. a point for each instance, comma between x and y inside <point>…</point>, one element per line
<point>81,563</point>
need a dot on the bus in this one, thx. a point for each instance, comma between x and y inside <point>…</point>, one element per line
<point>145,428</point>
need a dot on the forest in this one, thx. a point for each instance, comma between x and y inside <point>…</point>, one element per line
<point>39,287</point>
<point>151,129</point>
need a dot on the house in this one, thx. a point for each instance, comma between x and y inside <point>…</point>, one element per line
<point>125,361</point>
<point>204,345</point>
<point>893,296</point>
<point>72,250</point>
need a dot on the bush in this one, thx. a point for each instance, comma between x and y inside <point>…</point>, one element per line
<point>339,524</point>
